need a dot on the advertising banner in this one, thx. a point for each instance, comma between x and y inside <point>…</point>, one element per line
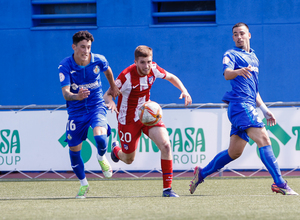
<point>34,141</point>
<point>285,139</point>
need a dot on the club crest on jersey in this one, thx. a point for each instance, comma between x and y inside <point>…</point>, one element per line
<point>151,80</point>
<point>96,69</point>
<point>69,137</point>
<point>126,146</point>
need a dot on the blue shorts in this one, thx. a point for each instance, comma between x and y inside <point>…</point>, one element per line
<point>78,126</point>
<point>243,115</point>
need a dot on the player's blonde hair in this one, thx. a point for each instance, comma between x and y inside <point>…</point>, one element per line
<point>142,51</point>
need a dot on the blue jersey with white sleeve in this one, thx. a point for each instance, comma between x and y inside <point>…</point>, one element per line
<point>75,76</point>
<point>243,90</point>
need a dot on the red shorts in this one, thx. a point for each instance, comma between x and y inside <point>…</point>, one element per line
<point>130,134</point>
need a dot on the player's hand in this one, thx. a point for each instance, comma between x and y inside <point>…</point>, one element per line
<point>114,91</point>
<point>112,106</point>
<point>187,98</point>
<point>271,120</point>
<point>245,72</point>
<point>83,94</point>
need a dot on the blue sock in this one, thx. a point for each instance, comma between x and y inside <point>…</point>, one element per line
<point>269,160</point>
<point>77,164</point>
<point>219,161</point>
<point>101,141</point>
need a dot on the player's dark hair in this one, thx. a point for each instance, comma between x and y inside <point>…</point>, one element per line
<point>82,35</point>
<point>240,24</point>
<point>142,51</point>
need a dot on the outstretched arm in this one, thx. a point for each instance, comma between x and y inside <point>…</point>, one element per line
<point>110,102</point>
<point>178,84</point>
<point>110,77</point>
<point>267,113</point>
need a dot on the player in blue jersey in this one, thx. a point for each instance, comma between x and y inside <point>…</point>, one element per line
<point>81,87</point>
<point>240,66</point>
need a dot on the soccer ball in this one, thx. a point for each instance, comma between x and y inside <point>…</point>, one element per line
<point>150,113</point>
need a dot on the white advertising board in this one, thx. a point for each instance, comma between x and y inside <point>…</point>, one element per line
<point>33,141</point>
<point>285,138</point>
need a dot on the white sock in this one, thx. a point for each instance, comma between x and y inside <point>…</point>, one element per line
<point>100,157</point>
<point>84,182</point>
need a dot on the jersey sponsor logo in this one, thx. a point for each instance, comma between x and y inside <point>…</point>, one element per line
<point>85,86</point>
<point>151,80</point>
<point>61,77</point>
<point>73,71</point>
<point>96,69</point>
<point>90,85</point>
<point>74,86</point>
<point>59,66</point>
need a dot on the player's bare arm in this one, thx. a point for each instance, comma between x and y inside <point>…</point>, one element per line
<point>178,84</point>
<point>271,120</point>
<point>231,74</point>
<point>70,96</point>
<point>110,104</point>
<point>110,77</point>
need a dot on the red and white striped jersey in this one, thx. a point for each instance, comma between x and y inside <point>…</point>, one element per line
<point>135,91</point>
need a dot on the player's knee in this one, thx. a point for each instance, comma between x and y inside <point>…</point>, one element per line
<point>235,154</point>
<point>128,160</point>
<point>263,141</point>
<point>165,147</point>
<point>266,140</point>
<point>101,141</point>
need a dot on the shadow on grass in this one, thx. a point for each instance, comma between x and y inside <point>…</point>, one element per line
<point>94,197</point>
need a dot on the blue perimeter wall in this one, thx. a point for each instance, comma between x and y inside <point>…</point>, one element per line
<point>30,58</point>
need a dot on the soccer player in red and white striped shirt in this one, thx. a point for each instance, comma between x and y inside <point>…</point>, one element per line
<point>135,83</point>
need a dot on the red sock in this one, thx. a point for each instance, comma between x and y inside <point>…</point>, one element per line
<point>116,151</point>
<point>167,169</point>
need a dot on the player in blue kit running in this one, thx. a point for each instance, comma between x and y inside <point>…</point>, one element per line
<point>240,66</point>
<point>80,80</point>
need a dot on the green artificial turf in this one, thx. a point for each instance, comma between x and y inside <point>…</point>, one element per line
<point>216,198</point>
